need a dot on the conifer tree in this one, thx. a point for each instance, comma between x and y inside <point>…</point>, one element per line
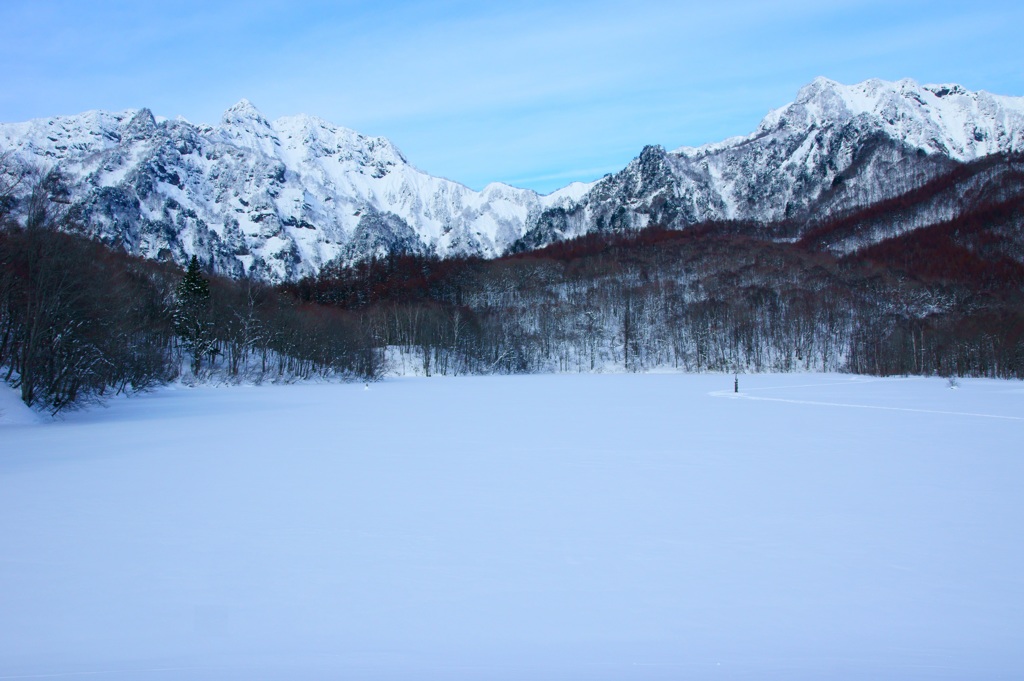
<point>192,314</point>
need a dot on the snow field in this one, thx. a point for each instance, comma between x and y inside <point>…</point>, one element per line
<point>538,527</point>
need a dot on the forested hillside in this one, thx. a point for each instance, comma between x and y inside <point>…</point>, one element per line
<point>704,299</point>
<point>79,320</point>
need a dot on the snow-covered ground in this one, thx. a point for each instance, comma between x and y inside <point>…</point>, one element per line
<point>543,528</point>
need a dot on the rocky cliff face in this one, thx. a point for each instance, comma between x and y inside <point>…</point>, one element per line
<point>835,149</point>
<point>278,200</point>
<point>270,200</point>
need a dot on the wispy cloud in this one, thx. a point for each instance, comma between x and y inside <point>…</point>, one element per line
<point>493,91</point>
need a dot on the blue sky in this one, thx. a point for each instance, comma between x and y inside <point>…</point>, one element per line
<point>536,94</point>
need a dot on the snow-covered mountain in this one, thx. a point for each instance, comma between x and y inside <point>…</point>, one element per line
<point>836,148</point>
<point>278,200</point>
<point>274,200</point>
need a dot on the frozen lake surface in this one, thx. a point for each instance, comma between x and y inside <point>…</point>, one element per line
<point>509,528</point>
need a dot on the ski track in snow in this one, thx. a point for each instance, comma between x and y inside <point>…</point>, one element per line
<point>744,395</point>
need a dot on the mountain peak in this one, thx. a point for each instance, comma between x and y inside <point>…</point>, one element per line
<point>244,112</point>
<point>946,89</point>
<point>140,125</point>
<point>243,105</point>
<point>279,200</point>
<point>819,84</point>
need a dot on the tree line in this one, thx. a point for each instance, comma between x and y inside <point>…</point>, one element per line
<point>710,298</point>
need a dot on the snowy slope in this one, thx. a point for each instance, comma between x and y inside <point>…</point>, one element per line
<point>559,527</point>
<point>279,199</point>
<point>15,412</point>
<point>275,200</point>
<point>946,119</point>
<point>835,148</point>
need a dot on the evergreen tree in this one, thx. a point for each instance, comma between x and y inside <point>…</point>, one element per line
<point>194,287</point>
<point>192,314</point>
